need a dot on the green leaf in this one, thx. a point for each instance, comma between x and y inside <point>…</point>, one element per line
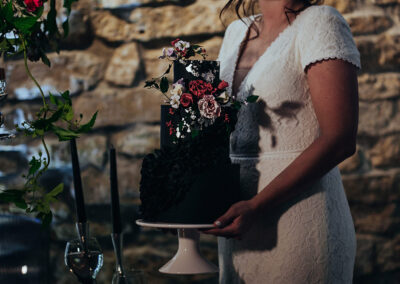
<point>8,12</point>
<point>51,23</point>
<point>45,60</point>
<point>86,127</point>
<point>35,165</point>
<point>56,191</point>
<point>25,24</point>
<point>66,97</point>
<point>65,26</point>
<point>251,99</point>
<point>68,113</point>
<point>64,134</point>
<point>236,105</point>
<point>164,84</point>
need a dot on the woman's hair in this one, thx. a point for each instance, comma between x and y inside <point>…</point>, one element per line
<point>247,8</point>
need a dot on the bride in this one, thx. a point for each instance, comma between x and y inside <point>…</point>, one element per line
<point>294,225</point>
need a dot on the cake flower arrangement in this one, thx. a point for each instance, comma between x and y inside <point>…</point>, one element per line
<point>195,104</point>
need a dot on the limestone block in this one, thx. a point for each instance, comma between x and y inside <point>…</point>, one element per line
<point>150,23</point>
<point>80,34</point>
<point>368,21</point>
<point>379,86</point>
<point>375,187</point>
<point>124,65</point>
<point>365,260</point>
<point>383,219</point>
<point>376,118</point>
<point>138,140</point>
<point>119,107</point>
<point>388,254</point>
<point>343,6</point>
<point>76,71</point>
<point>386,152</point>
<point>369,52</point>
<point>390,49</point>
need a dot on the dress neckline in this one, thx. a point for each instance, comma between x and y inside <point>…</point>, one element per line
<point>266,51</point>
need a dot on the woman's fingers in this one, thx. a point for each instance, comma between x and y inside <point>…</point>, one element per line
<point>226,219</point>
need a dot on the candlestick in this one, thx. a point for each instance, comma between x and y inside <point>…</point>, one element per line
<point>115,210</point>
<point>79,199</point>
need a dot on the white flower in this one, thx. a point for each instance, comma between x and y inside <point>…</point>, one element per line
<point>182,45</point>
<point>209,76</point>
<point>175,101</point>
<point>177,89</point>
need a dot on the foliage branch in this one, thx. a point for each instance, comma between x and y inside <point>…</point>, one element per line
<point>26,30</point>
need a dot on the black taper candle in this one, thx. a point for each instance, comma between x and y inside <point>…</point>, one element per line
<point>115,211</point>
<point>79,200</point>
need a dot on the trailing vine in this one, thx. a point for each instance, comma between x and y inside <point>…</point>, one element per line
<point>32,35</point>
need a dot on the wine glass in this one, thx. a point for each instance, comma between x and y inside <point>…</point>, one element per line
<point>84,262</point>
<point>129,277</point>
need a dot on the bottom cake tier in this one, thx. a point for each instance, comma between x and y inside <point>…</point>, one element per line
<point>210,196</point>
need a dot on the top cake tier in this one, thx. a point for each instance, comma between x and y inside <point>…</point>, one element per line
<point>205,70</point>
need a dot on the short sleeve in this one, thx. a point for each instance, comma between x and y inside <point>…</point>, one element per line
<point>326,35</point>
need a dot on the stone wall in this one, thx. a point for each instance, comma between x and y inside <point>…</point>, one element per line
<point>113,47</point>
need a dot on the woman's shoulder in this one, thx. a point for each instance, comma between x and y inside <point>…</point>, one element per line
<point>321,14</point>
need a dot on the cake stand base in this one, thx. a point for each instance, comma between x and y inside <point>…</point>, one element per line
<point>188,259</point>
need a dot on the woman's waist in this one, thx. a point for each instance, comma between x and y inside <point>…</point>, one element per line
<point>278,154</point>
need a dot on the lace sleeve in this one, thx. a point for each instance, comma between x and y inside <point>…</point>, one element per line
<point>327,35</point>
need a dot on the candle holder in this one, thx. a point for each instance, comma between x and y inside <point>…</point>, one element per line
<point>83,256</point>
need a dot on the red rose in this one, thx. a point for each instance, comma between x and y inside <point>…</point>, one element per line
<point>32,5</point>
<point>171,111</point>
<point>199,88</point>
<point>223,85</point>
<point>174,41</point>
<point>186,99</point>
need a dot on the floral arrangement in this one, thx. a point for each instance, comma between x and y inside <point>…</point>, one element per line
<point>195,104</point>
<point>26,31</point>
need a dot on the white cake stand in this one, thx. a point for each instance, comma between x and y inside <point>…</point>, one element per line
<point>188,259</point>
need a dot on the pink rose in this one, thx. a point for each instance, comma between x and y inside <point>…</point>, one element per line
<point>209,107</point>
<point>32,5</point>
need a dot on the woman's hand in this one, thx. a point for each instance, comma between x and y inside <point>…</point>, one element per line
<point>236,221</point>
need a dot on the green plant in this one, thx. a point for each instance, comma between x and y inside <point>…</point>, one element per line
<point>32,35</point>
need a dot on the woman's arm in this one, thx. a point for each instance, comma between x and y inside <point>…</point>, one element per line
<point>334,93</point>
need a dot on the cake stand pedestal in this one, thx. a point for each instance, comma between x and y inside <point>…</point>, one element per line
<point>188,259</point>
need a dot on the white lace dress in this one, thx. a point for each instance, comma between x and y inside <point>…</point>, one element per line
<point>311,239</point>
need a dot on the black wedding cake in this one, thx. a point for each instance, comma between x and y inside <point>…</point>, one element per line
<point>189,181</point>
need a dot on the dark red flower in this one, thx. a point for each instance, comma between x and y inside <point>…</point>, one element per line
<point>171,131</point>
<point>168,123</point>
<point>199,88</point>
<point>171,111</point>
<point>223,85</point>
<point>32,5</point>
<point>226,118</point>
<point>186,99</point>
